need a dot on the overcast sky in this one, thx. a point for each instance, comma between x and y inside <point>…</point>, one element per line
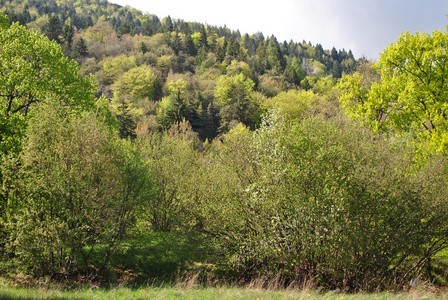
<point>364,26</point>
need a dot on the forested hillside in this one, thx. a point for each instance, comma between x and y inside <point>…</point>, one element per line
<point>135,149</point>
<point>182,63</point>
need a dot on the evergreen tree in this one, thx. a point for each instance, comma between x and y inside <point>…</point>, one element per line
<point>334,54</point>
<point>127,124</point>
<point>168,24</point>
<point>176,42</point>
<point>125,28</point>
<point>188,42</point>
<point>143,47</point>
<point>147,29</point>
<point>67,33</point>
<point>81,48</point>
<point>53,29</point>
<point>203,38</point>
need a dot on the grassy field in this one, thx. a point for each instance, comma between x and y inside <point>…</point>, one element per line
<point>200,293</point>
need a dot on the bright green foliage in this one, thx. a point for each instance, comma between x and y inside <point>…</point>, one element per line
<point>412,94</point>
<point>297,67</point>
<point>172,108</point>
<point>293,103</point>
<point>164,63</point>
<point>171,158</point>
<point>234,93</point>
<point>237,67</point>
<point>32,69</point>
<point>135,87</point>
<point>80,189</point>
<point>4,22</point>
<point>115,67</point>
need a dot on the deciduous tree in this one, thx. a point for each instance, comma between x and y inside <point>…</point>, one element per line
<point>411,96</point>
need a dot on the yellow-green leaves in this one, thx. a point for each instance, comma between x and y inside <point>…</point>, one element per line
<point>4,22</point>
<point>33,70</point>
<point>233,88</point>
<point>411,96</point>
<point>135,87</point>
<point>234,93</point>
<point>293,103</point>
<point>113,68</point>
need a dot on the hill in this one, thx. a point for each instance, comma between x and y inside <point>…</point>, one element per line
<point>111,41</point>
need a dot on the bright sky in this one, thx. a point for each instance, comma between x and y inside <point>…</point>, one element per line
<point>364,26</point>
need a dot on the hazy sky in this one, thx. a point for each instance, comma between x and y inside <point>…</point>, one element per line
<point>364,26</point>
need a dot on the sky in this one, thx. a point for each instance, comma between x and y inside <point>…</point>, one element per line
<point>364,26</point>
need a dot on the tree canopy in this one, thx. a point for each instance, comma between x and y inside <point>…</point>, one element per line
<point>34,69</point>
<point>411,94</point>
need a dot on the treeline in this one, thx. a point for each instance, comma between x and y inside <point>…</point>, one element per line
<point>339,182</point>
<point>186,61</point>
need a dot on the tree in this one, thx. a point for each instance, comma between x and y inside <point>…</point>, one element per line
<point>203,42</point>
<point>125,28</point>
<point>125,121</point>
<point>188,41</point>
<point>167,24</point>
<point>4,22</point>
<point>135,87</point>
<point>147,29</point>
<point>176,42</point>
<point>292,103</point>
<point>68,33</point>
<point>172,109</point>
<point>171,157</point>
<point>31,70</point>
<point>275,56</point>
<point>143,48</point>
<point>53,30</point>
<point>115,67</point>
<point>234,93</point>
<point>411,96</point>
<point>81,48</point>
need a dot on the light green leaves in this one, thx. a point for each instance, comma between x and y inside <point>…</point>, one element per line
<point>233,88</point>
<point>412,95</point>
<point>32,69</point>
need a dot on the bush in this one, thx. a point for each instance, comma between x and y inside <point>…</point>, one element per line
<point>79,190</point>
<point>325,201</point>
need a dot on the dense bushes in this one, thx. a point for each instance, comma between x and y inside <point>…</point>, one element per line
<point>322,200</point>
<point>79,189</point>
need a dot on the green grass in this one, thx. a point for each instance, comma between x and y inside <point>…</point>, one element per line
<point>199,293</point>
<point>162,256</point>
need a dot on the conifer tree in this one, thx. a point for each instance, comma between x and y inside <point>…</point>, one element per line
<point>81,48</point>
<point>53,29</point>
<point>203,38</point>
<point>127,124</point>
<point>143,47</point>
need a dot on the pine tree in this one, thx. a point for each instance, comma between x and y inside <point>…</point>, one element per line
<point>53,29</point>
<point>203,38</point>
<point>147,29</point>
<point>125,28</point>
<point>67,33</point>
<point>81,48</point>
<point>143,47</point>
<point>176,43</point>
<point>188,42</point>
<point>127,124</point>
